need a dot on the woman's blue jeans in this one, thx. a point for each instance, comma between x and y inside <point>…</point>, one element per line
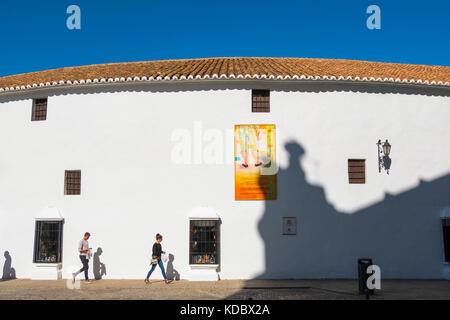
<point>161,266</point>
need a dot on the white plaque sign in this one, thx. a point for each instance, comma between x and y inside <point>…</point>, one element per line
<point>290,225</point>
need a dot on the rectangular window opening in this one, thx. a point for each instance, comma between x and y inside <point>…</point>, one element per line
<point>39,112</point>
<point>356,171</point>
<point>260,100</point>
<point>48,242</point>
<point>72,182</point>
<point>204,247</point>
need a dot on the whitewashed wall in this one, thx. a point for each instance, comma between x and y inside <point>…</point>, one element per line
<point>131,189</point>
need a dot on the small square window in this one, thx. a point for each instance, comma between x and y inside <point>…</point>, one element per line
<point>39,112</point>
<point>48,242</point>
<point>204,246</point>
<point>260,100</point>
<point>356,171</point>
<point>72,182</point>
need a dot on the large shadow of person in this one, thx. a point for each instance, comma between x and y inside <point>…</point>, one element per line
<point>9,272</point>
<point>288,256</point>
<point>99,267</point>
<point>402,233</point>
<point>172,274</point>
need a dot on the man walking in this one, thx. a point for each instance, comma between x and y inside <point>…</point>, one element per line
<point>83,248</point>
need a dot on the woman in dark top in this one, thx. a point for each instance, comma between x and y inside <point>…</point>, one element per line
<point>156,257</point>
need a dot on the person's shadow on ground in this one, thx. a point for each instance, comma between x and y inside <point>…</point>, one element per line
<point>172,274</point>
<point>99,267</point>
<point>9,273</point>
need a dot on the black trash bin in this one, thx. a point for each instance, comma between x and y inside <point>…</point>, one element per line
<point>363,264</point>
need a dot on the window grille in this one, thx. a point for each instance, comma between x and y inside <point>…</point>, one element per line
<point>39,111</point>
<point>260,100</point>
<point>204,242</point>
<point>48,242</point>
<point>72,183</point>
<point>356,171</point>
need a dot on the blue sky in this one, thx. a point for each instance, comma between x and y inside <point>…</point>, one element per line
<point>34,35</point>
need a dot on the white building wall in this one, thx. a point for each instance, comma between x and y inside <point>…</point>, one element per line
<point>131,189</point>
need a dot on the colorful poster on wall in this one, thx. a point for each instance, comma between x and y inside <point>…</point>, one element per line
<point>254,162</point>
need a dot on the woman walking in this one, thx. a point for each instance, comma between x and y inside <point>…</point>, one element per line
<point>156,259</point>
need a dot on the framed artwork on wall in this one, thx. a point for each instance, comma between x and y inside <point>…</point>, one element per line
<point>255,169</point>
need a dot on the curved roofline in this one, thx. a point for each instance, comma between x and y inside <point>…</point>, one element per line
<point>240,68</point>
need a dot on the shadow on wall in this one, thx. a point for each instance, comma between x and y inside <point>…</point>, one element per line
<point>402,234</point>
<point>171,273</point>
<point>99,267</point>
<point>9,273</point>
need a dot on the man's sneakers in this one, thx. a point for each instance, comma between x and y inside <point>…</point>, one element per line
<point>88,281</point>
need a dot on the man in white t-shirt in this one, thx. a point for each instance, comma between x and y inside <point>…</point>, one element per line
<point>85,254</point>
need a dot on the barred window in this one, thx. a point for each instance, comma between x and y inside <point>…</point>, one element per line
<point>260,100</point>
<point>204,242</point>
<point>72,183</point>
<point>48,242</point>
<point>356,171</point>
<point>39,111</point>
<point>446,231</point>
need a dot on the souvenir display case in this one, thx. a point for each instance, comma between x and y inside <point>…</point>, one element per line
<point>204,242</point>
<point>48,242</point>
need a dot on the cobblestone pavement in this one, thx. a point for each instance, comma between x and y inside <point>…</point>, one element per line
<point>224,289</point>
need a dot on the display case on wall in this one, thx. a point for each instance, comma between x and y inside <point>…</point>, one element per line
<point>48,242</point>
<point>204,242</point>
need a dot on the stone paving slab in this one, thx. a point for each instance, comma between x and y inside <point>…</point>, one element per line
<point>224,289</point>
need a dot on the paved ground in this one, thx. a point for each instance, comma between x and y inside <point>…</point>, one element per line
<point>224,289</point>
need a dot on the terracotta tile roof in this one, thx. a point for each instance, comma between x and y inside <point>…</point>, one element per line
<point>232,68</point>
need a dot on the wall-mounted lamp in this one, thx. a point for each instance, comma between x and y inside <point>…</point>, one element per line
<point>383,160</point>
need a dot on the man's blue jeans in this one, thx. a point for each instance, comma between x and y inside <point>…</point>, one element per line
<point>85,268</point>
<point>161,266</point>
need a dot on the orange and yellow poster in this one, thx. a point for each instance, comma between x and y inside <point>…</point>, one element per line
<point>255,170</point>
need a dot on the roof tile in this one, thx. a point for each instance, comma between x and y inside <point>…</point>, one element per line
<point>284,67</point>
